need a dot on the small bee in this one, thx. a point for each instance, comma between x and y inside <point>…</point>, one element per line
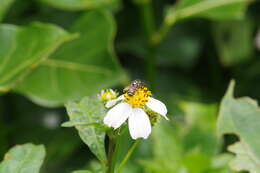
<point>131,88</point>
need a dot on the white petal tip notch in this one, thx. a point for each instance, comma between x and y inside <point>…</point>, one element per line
<point>157,106</point>
<point>117,115</point>
<point>139,124</point>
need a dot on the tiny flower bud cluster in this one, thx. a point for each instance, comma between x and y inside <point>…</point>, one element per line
<point>107,95</point>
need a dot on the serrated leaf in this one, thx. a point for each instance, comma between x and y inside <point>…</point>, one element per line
<point>90,110</point>
<point>79,4</point>
<point>25,48</point>
<point>211,9</point>
<point>4,6</point>
<point>221,160</point>
<point>241,117</point>
<point>26,158</point>
<point>242,161</point>
<point>234,41</point>
<point>81,67</point>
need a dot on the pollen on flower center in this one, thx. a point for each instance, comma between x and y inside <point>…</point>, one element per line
<point>139,98</point>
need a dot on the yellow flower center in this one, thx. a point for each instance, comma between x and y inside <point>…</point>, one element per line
<point>107,95</point>
<point>139,98</point>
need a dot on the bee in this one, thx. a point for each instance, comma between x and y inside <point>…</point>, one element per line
<point>131,88</point>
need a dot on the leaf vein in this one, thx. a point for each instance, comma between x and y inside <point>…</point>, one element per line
<point>76,66</point>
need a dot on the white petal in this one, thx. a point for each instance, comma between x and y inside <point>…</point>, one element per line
<point>111,103</point>
<point>116,116</point>
<point>112,91</point>
<point>157,106</point>
<point>139,124</point>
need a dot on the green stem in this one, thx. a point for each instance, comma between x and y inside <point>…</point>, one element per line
<point>114,147</point>
<point>168,22</point>
<point>148,26</point>
<point>111,147</point>
<point>150,69</point>
<point>147,19</point>
<point>127,156</point>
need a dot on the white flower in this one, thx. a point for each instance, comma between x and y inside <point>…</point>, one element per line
<point>131,108</point>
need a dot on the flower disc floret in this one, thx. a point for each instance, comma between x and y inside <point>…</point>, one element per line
<point>139,98</point>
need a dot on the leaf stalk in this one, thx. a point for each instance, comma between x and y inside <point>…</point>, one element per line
<point>127,156</point>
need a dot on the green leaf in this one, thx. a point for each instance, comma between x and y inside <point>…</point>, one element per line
<point>241,117</point>
<point>192,145</point>
<point>243,160</point>
<point>167,150</point>
<point>80,4</point>
<point>25,48</point>
<point>221,161</point>
<point>95,166</point>
<point>201,122</point>
<point>234,41</point>
<point>210,9</point>
<point>81,67</point>
<point>196,162</point>
<point>26,158</point>
<point>167,146</point>
<point>4,6</point>
<point>89,110</point>
<point>82,171</point>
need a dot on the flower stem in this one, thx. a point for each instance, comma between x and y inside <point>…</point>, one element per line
<point>111,147</point>
<point>147,19</point>
<point>163,30</point>
<point>127,156</point>
<point>148,26</point>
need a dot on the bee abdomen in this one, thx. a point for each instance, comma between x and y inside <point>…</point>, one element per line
<point>131,92</point>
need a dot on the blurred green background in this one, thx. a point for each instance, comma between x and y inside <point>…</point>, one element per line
<point>55,51</point>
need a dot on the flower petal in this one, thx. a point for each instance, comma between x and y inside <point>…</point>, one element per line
<point>157,106</point>
<point>139,124</point>
<point>111,103</point>
<point>116,116</point>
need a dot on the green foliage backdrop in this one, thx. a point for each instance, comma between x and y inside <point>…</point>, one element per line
<point>57,55</point>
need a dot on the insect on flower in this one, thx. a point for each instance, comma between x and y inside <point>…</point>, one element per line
<point>130,89</point>
<point>133,105</point>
